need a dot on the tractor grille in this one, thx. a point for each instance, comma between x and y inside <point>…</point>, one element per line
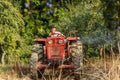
<point>55,51</point>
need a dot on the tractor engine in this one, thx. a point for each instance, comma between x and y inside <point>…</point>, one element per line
<point>55,48</point>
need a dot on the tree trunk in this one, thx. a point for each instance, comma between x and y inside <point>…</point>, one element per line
<point>119,48</point>
<point>3,56</point>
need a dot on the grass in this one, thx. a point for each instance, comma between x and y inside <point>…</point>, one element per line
<point>102,70</point>
<point>14,72</point>
<point>99,70</point>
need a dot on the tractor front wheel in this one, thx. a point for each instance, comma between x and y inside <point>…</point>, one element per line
<point>36,56</point>
<point>77,59</point>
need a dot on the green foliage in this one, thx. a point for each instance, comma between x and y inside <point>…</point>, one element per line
<point>11,26</point>
<point>88,18</point>
<point>23,20</point>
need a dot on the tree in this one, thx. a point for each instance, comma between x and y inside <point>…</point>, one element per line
<point>11,26</point>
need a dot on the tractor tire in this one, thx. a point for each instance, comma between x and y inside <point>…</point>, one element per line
<point>36,56</point>
<point>77,59</point>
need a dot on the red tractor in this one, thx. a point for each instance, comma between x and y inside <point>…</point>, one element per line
<point>57,52</point>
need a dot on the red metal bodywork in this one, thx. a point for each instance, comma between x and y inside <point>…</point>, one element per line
<point>40,39</point>
<point>70,66</point>
<point>73,38</point>
<point>56,51</point>
<point>55,44</point>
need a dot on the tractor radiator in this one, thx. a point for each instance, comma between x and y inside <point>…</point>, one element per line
<point>54,51</point>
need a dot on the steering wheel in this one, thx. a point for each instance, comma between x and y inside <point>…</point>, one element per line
<point>60,35</point>
<point>57,35</point>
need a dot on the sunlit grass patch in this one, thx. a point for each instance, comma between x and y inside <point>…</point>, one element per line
<point>4,68</point>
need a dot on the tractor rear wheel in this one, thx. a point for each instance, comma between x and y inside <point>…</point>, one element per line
<point>76,49</point>
<point>36,56</point>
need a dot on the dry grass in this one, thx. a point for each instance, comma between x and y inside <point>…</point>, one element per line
<point>99,70</point>
<point>102,70</point>
<point>14,72</point>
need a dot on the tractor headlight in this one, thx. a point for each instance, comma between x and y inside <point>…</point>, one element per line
<point>60,41</point>
<point>50,42</point>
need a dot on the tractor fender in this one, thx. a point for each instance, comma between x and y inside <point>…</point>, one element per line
<point>73,38</point>
<point>40,40</point>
